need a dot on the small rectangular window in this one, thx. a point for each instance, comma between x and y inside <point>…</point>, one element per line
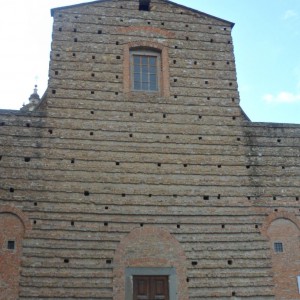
<point>144,5</point>
<point>298,280</point>
<point>11,245</point>
<point>278,247</point>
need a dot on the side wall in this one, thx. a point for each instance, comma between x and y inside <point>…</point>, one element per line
<point>20,143</point>
<point>274,151</point>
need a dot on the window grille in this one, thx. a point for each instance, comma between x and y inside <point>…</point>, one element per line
<point>11,245</point>
<point>145,71</point>
<point>278,247</point>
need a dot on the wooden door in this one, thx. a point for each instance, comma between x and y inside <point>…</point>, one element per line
<point>150,288</point>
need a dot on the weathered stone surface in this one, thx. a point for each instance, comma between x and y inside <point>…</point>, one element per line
<point>95,163</point>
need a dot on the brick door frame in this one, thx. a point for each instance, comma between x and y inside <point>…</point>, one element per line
<point>131,271</point>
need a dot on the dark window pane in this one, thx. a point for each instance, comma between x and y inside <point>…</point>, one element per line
<point>145,69</point>
<point>137,69</point>
<point>152,61</point>
<point>152,70</point>
<point>137,85</point>
<point>136,60</point>
<point>153,83</point>
<point>11,245</point>
<point>153,86</point>
<point>137,76</point>
<point>145,86</point>
<point>153,78</point>
<point>145,77</point>
<point>144,60</point>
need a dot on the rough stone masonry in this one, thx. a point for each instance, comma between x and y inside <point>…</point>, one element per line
<point>138,175</point>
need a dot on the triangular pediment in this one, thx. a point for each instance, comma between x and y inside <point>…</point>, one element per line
<point>185,8</point>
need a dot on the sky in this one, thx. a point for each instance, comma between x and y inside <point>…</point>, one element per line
<point>266,39</point>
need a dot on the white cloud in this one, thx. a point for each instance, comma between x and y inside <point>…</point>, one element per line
<point>289,14</point>
<point>282,97</point>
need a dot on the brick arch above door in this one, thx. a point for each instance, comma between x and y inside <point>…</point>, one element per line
<point>149,247</point>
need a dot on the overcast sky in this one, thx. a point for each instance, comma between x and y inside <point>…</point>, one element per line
<point>266,42</point>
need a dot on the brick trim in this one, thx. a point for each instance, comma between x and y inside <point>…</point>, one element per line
<point>15,211</point>
<point>15,226</point>
<point>129,254</point>
<point>278,215</point>
<point>157,31</point>
<point>165,73</point>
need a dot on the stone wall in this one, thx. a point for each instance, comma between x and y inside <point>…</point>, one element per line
<point>97,162</point>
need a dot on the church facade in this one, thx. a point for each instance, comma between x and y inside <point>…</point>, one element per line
<point>137,175</point>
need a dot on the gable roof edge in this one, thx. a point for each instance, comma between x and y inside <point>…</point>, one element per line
<point>198,12</point>
<point>53,10</point>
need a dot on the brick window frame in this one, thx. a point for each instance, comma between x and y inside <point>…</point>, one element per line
<point>147,47</point>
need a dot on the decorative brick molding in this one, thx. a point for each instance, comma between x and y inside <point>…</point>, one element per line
<point>278,215</point>
<point>13,226</point>
<point>15,211</point>
<point>283,228</point>
<point>149,247</point>
<point>157,31</point>
<point>165,73</point>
